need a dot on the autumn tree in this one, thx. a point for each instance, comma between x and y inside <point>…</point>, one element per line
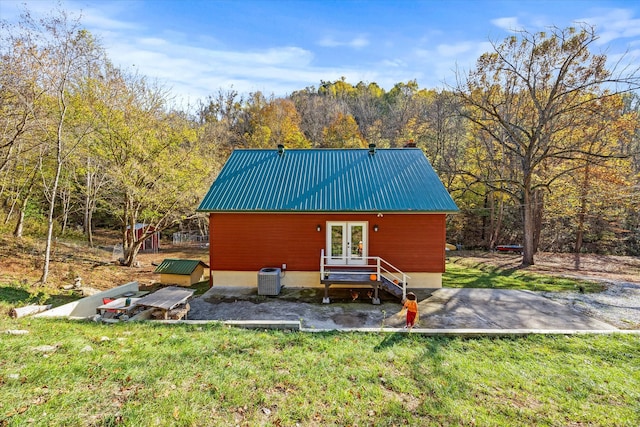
<point>343,132</point>
<point>218,118</point>
<point>632,216</point>
<point>267,123</point>
<point>405,105</point>
<point>589,206</point>
<point>23,120</point>
<point>283,121</point>
<point>444,135</point>
<point>64,53</point>
<point>367,106</point>
<point>89,171</point>
<point>317,111</point>
<point>530,95</point>
<point>20,92</point>
<point>156,169</point>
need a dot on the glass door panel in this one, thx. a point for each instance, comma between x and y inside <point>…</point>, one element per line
<point>336,242</point>
<point>356,244</point>
<point>346,243</point>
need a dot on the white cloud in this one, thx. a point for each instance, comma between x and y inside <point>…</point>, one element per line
<point>356,43</point>
<point>394,63</point>
<point>614,24</point>
<point>507,23</point>
<point>153,41</point>
<point>195,72</point>
<point>198,64</point>
<point>359,42</point>
<point>93,18</point>
<point>438,66</point>
<point>451,50</point>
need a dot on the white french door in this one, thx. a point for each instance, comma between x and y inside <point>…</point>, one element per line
<point>346,243</point>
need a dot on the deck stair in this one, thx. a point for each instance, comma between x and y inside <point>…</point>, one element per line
<point>394,289</point>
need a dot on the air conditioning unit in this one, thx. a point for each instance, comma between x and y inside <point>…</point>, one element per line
<point>269,281</point>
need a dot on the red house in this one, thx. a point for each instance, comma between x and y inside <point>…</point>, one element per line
<point>328,217</point>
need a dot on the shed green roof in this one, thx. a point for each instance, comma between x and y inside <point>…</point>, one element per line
<point>179,266</point>
<point>328,180</point>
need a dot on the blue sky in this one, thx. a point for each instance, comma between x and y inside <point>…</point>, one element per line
<point>195,48</point>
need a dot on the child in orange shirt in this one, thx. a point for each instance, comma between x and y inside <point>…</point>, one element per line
<point>411,305</point>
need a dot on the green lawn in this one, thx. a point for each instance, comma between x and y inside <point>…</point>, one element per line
<point>190,375</point>
<point>460,275</point>
<point>149,374</point>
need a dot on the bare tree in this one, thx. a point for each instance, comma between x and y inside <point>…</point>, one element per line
<point>317,112</point>
<point>529,95</point>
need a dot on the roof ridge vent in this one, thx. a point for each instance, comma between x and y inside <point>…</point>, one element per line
<point>280,149</point>
<point>372,149</point>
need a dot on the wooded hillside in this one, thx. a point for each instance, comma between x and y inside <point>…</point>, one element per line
<point>539,145</point>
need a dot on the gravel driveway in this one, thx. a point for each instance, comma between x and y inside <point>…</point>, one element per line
<point>618,304</point>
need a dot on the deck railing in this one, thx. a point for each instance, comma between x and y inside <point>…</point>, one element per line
<point>372,265</point>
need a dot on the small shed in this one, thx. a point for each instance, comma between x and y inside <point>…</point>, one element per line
<point>151,243</point>
<point>184,272</point>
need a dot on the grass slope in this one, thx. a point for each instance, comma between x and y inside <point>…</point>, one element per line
<point>83,374</point>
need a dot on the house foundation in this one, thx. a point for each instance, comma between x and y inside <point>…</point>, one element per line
<point>311,279</point>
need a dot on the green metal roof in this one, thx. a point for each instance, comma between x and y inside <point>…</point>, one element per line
<point>179,266</point>
<point>328,180</point>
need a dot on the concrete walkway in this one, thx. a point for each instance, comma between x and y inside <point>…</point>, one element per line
<point>501,309</point>
<point>466,311</point>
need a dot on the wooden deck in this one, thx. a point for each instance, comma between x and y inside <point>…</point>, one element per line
<point>355,278</point>
<point>358,278</point>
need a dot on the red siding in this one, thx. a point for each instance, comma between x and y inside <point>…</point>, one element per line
<point>248,241</point>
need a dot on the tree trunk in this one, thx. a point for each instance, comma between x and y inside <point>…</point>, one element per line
<point>125,243</point>
<point>203,225</point>
<point>16,313</point>
<point>529,225</point>
<point>14,201</point>
<point>496,221</point>
<point>17,232</point>
<point>483,234</point>
<point>131,254</point>
<point>65,196</point>
<point>538,212</point>
<point>54,192</point>
<point>130,243</point>
<point>583,211</point>
<point>52,205</point>
<point>89,205</point>
<point>89,228</point>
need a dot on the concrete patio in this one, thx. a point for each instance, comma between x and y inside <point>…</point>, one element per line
<point>440,310</point>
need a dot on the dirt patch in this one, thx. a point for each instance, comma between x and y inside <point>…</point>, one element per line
<point>296,304</point>
<point>22,260</point>
<point>350,320</point>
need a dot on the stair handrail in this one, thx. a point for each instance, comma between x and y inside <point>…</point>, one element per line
<point>379,261</point>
